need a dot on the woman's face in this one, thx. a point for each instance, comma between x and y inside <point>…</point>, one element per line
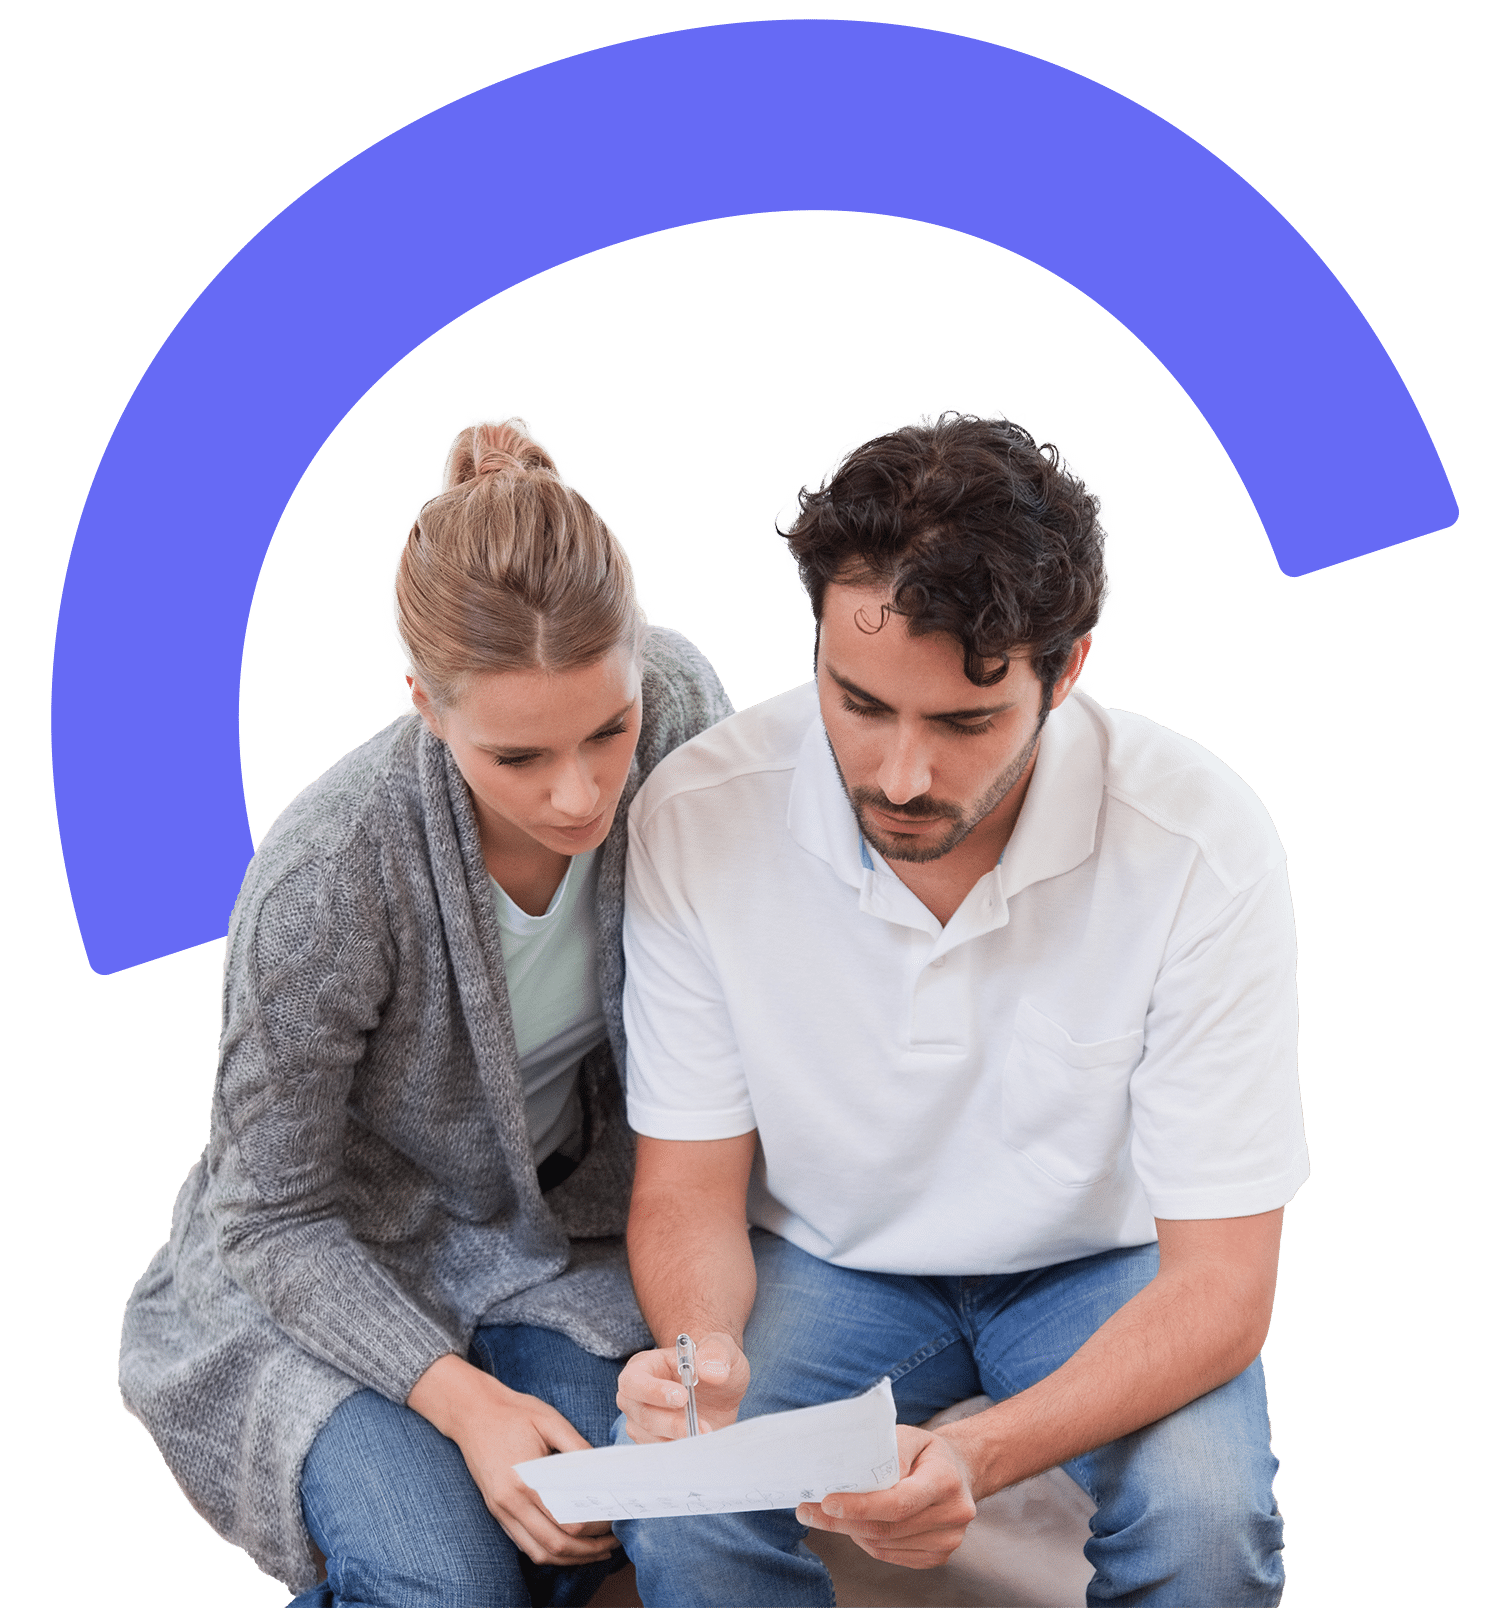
<point>545,753</point>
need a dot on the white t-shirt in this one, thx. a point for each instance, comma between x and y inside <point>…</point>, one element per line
<point>552,975</point>
<point>1104,1033</point>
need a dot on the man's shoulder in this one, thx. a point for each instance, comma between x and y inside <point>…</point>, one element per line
<point>764,740</point>
<point>1182,789</point>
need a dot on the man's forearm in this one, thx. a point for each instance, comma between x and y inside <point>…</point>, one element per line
<point>689,1247</point>
<point>692,1278</point>
<point>1199,1323</point>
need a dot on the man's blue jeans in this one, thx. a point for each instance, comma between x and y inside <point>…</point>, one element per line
<point>1185,1511</point>
<point>392,1507</point>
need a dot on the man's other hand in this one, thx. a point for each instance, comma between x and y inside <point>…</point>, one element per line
<point>920,1521</point>
<point>654,1400</point>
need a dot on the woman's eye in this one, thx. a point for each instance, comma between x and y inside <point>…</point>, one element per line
<point>614,731</point>
<point>514,759</point>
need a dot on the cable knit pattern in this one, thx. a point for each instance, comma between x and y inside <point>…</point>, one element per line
<point>368,1195</point>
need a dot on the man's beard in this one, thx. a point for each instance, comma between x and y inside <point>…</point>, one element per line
<point>927,808</point>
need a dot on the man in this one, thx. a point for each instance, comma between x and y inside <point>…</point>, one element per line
<point>978,1000</point>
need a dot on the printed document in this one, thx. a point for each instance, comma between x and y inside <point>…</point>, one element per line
<point>775,1461</point>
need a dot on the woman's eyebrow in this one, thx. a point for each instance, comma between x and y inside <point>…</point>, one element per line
<point>510,750</point>
<point>617,717</point>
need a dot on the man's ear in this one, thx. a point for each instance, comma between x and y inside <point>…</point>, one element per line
<point>1072,670</point>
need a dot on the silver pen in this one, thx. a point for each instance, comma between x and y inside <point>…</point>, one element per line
<point>687,1371</point>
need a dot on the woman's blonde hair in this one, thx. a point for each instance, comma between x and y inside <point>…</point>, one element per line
<point>509,569</point>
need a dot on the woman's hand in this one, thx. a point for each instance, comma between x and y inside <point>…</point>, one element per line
<point>495,1427</point>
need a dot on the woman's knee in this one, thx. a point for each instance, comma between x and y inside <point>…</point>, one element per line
<point>392,1507</point>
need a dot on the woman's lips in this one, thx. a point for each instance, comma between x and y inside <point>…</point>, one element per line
<point>585,830</point>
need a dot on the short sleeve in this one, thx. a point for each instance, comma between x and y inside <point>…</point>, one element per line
<point>684,1076</point>
<point>1215,1106</point>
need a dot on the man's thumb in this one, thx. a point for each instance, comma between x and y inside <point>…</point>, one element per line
<point>716,1357</point>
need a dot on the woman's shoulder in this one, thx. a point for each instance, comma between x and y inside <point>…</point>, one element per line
<point>345,804</point>
<point>680,694</point>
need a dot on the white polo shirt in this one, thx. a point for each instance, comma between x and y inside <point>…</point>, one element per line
<point>1104,1033</point>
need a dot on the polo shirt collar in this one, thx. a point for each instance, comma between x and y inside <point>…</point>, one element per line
<point>818,813</point>
<point>1054,833</point>
<point>1056,828</point>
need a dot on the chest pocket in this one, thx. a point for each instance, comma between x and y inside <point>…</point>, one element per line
<point>1065,1106</point>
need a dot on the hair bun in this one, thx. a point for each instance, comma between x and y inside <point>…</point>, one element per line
<point>486,449</point>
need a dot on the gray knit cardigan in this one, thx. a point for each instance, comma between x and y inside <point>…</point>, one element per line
<point>368,1195</point>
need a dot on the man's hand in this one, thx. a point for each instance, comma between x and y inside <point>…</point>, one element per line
<point>496,1427</point>
<point>653,1399</point>
<point>920,1521</point>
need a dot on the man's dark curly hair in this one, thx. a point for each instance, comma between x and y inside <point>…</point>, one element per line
<point>976,531</point>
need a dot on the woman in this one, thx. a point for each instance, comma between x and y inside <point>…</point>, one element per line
<point>397,1270</point>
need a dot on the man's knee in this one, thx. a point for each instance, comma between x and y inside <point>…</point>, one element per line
<point>1186,1512</point>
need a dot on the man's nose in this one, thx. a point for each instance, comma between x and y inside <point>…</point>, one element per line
<point>906,772</point>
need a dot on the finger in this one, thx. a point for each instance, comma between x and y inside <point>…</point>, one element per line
<point>955,1515</point>
<point>557,1431</point>
<point>816,1516</point>
<point>658,1423</point>
<point>528,1523</point>
<point>538,1545</point>
<point>658,1364</point>
<point>650,1390</point>
<point>931,1559</point>
<point>813,1516</point>
<point>589,1527</point>
<point>718,1358</point>
<point>902,1502</point>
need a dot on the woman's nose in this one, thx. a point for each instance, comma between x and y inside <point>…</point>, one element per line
<point>575,793</point>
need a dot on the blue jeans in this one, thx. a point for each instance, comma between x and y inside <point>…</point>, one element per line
<point>392,1507</point>
<point>1185,1511</point>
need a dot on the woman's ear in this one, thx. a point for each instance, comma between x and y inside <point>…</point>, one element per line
<point>425,707</point>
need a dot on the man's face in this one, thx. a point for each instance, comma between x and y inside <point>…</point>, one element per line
<point>925,755</point>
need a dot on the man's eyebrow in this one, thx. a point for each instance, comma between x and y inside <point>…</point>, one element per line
<point>980,713</point>
<point>858,692</point>
<point>511,749</point>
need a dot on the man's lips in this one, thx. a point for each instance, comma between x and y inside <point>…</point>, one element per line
<point>907,823</point>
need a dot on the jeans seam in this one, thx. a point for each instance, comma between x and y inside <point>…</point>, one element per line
<point>924,1353</point>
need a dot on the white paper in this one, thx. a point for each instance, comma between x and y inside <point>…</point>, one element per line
<point>775,1461</point>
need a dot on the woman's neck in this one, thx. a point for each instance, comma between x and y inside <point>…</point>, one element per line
<point>528,871</point>
<point>529,881</point>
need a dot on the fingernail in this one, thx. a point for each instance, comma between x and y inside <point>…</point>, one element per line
<point>834,1510</point>
<point>716,1370</point>
<point>676,1397</point>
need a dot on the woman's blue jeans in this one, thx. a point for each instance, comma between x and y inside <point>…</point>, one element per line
<point>393,1509</point>
<point>1185,1510</point>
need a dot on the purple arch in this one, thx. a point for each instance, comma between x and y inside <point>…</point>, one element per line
<point>618,143</point>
